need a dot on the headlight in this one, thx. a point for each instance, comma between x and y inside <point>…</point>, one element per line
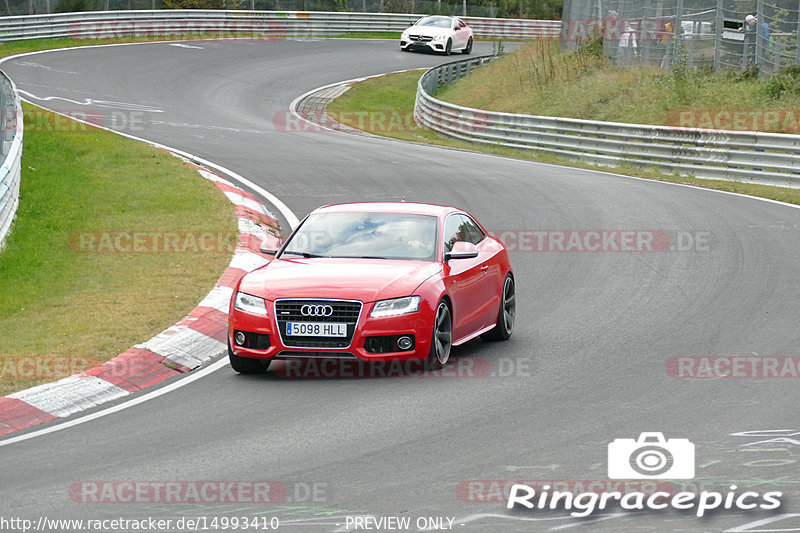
<point>404,35</point>
<point>396,306</point>
<point>250,304</point>
<point>439,37</point>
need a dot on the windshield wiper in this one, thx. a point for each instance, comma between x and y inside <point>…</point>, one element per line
<point>304,254</point>
<point>358,257</point>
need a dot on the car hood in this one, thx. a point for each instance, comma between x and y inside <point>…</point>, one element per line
<point>429,31</point>
<point>363,279</point>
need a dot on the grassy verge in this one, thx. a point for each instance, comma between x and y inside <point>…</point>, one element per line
<point>384,106</point>
<point>538,80</point>
<point>63,307</point>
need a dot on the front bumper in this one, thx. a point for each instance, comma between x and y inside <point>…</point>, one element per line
<point>377,334</point>
<point>432,46</point>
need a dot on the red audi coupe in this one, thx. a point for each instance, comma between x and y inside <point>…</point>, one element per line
<point>380,281</point>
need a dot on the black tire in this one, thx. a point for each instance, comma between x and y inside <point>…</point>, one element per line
<point>506,314</point>
<point>448,48</point>
<point>442,338</point>
<point>247,365</point>
<point>468,48</point>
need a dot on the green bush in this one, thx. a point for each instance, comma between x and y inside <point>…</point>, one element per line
<point>71,6</point>
<point>784,82</point>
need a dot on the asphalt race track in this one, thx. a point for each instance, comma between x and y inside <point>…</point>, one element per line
<point>588,362</point>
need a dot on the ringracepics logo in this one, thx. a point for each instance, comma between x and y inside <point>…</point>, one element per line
<point>649,457</point>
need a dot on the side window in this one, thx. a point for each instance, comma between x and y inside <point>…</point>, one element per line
<point>474,231</point>
<point>454,231</point>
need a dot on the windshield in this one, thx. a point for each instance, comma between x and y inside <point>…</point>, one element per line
<point>435,22</point>
<point>365,235</point>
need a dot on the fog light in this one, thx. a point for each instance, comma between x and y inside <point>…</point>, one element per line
<point>240,338</point>
<point>404,343</point>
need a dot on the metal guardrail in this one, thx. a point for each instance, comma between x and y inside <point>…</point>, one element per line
<point>767,158</point>
<point>11,142</point>
<point>267,24</point>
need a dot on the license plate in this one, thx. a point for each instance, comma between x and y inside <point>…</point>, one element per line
<point>316,329</point>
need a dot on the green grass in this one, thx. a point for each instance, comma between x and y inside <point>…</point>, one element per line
<point>539,80</point>
<point>63,303</point>
<point>370,105</point>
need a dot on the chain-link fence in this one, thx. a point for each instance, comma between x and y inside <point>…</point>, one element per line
<point>723,34</point>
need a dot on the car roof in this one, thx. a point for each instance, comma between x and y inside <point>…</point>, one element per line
<point>389,207</point>
<point>448,17</point>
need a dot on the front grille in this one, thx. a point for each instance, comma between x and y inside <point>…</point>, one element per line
<point>343,311</point>
<point>420,38</point>
<point>286,354</point>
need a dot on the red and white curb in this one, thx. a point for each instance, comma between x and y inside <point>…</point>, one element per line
<point>193,341</point>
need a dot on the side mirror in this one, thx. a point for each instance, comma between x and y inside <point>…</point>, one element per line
<point>462,250</point>
<point>268,247</point>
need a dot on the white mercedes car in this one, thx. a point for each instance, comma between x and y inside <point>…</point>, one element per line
<point>438,33</point>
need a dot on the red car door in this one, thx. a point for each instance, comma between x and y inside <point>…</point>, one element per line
<point>467,280</point>
<point>490,284</point>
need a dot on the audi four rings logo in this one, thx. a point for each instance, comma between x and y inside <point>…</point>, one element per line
<point>316,310</point>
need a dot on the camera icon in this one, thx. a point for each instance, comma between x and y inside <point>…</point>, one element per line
<point>651,457</point>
